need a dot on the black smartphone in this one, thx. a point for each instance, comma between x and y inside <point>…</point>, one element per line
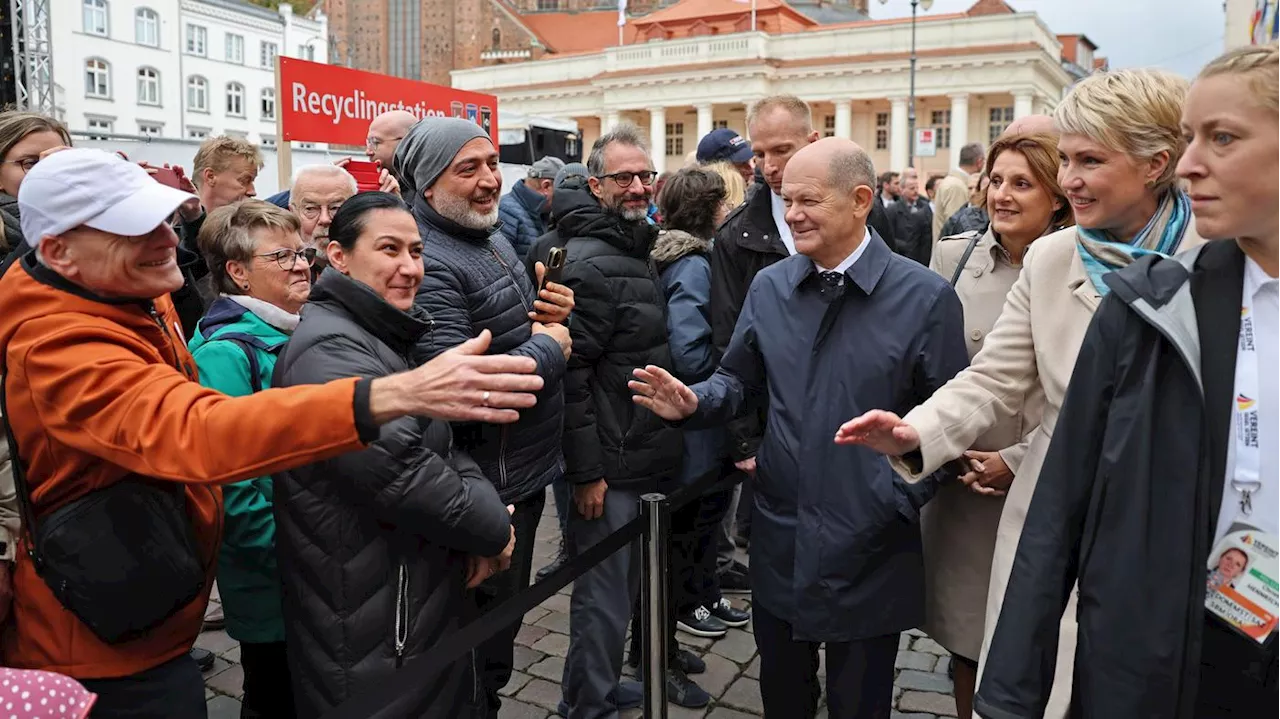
<point>555,266</point>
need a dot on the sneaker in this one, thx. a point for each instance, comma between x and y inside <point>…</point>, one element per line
<point>734,581</point>
<point>729,616</point>
<point>700,623</point>
<point>203,658</point>
<point>562,556</point>
<point>688,662</point>
<point>684,692</point>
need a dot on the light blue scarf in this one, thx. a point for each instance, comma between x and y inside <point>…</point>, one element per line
<point>1101,253</point>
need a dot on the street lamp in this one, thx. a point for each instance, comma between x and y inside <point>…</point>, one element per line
<point>911,101</point>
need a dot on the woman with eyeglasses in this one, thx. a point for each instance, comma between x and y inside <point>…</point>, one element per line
<point>262,272</point>
<point>25,138</point>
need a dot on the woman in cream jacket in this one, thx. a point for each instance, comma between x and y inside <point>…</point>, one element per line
<point>1119,146</point>
<point>959,525</point>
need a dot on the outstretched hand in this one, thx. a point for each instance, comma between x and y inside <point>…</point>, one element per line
<point>656,390</point>
<point>885,432</point>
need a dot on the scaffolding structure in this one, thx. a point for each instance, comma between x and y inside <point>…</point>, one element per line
<point>33,59</point>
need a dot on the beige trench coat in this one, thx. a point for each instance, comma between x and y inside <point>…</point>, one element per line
<point>1035,342</point>
<point>959,526</point>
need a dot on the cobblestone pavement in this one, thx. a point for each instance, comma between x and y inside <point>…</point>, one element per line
<point>922,689</point>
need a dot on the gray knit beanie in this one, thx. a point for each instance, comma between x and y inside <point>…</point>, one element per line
<point>427,150</point>
<point>573,169</point>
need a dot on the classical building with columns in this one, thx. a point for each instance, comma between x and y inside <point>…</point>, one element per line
<point>697,65</point>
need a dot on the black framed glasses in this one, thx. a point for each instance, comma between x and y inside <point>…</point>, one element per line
<point>287,259</point>
<point>624,179</point>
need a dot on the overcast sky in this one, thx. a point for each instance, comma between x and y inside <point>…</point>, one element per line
<point>1179,35</point>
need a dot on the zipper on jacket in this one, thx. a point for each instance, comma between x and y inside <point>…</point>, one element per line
<point>502,457</point>
<point>168,336</point>
<point>402,612</point>
<point>523,302</point>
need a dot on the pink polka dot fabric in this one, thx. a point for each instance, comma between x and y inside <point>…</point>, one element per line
<point>26,694</point>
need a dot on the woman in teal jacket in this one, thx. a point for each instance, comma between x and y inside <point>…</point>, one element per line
<point>262,272</point>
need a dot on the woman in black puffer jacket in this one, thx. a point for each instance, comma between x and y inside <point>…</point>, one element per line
<point>377,547</point>
<point>24,137</point>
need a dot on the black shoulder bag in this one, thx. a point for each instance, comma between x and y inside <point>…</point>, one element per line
<point>122,559</point>
<point>973,242</point>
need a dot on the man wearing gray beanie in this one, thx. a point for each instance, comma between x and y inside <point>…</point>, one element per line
<point>474,281</point>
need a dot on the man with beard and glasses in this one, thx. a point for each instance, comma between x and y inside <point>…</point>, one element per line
<point>473,281</point>
<point>614,451</point>
<point>318,192</point>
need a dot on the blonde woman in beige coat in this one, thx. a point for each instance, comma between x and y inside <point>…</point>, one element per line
<point>1119,146</point>
<point>959,525</point>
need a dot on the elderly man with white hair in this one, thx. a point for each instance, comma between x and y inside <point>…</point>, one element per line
<point>119,453</point>
<point>318,191</point>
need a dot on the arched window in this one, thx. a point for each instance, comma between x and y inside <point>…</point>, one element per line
<point>148,86</point>
<point>95,17</point>
<point>197,94</point>
<point>268,103</point>
<point>97,78</point>
<point>146,27</point>
<point>235,99</point>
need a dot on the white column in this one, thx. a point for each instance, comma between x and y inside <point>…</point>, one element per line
<point>1022,103</point>
<point>658,138</point>
<point>608,120</point>
<point>844,118</point>
<point>898,133</point>
<point>705,118</point>
<point>959,125</point>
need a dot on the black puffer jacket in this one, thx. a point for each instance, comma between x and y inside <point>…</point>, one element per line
<point>619,323</point>
<point>14,246</point>
<point>373,545</point>
<point>474,281</point>
<point>912,229</point>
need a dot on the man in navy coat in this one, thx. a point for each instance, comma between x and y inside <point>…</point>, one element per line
<point>842,326</point>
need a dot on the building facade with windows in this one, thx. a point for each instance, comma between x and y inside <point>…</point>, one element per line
<point>181,69</point>
<point>689,67</point>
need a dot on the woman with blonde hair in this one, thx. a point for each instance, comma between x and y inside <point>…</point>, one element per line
<point>1120,142</point>
<point>734,186</point>
<point>959,525</point>
<point>1165,457</point>
<point>25,139</point>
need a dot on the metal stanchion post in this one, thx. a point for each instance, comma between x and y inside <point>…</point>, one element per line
<point>654,605</point>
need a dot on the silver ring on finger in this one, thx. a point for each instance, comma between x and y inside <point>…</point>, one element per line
<point>484,398</point>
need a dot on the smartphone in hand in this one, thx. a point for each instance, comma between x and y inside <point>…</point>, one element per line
<point>368,175</point>
<point>554,267</point>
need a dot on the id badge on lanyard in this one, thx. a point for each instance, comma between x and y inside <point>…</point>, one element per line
<point>1240,585</point>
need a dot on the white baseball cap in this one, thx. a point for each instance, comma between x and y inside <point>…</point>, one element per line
<point>81,186</point>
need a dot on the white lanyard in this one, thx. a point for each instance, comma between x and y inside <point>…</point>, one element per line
<point>1246,481</point>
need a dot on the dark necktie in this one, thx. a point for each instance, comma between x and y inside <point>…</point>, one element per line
<point>832,285</point>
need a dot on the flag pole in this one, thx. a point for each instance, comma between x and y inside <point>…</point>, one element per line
<point>753,15</point>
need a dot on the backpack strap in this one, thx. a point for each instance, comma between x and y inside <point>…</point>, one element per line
<point>250,345</point>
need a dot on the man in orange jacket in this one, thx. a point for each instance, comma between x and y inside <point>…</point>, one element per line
<point>100,390</point>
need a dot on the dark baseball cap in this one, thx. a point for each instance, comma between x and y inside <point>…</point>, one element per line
<point>724,144</point>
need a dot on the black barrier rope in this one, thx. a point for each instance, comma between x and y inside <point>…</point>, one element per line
<point>450,649</point>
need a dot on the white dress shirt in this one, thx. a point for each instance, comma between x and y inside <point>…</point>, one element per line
<point>1265,291</point>
<point>780,219</point>
<point>847,262</point>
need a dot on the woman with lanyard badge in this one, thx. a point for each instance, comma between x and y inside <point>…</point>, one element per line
<point>1159,490</point>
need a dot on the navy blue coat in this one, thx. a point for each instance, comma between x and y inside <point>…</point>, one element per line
<point>522,220</point>
<point>835,536</point>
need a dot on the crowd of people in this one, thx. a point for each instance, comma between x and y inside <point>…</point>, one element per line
<point>1017,406</point>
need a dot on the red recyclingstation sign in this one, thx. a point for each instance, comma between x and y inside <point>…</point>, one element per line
<point>329,103</point>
